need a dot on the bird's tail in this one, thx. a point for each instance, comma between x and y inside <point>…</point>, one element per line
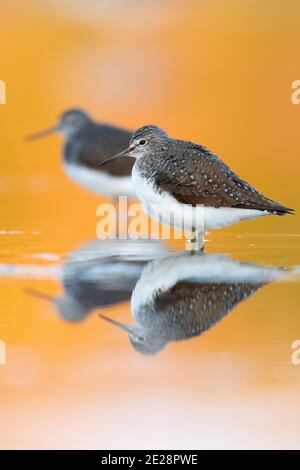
<point>282,210</point>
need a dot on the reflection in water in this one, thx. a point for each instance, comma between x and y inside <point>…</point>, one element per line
<point>100,274</point>
<point>178,297</point>
<point>174,296</point>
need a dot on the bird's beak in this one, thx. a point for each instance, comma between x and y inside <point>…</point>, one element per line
<point>122,326</point>
<point>126,153</point>
<point>40,295</point>
<point>44,133</point>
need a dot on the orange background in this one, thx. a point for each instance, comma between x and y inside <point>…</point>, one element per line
<point>215,72</point>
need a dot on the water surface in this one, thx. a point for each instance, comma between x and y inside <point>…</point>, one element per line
<point>207,361</point>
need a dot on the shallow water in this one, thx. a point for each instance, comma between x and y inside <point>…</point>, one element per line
<point>204,71</point>
<point>208,358</point>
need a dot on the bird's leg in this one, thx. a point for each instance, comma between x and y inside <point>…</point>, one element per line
<point>201,239</point>
<point>196,242</point>
<point>193,239</point>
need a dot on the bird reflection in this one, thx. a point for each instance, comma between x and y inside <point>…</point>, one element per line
<point>100,274</point>
<point>179,297</point>
<point>174,296</point>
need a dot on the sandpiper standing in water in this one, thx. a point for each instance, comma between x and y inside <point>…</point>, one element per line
<point>171,174</point>
<point>180,296</point>
<point>88,142</point>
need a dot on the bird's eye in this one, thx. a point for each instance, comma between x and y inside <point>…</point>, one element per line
<point>141,339</point>
<point>142,141</point>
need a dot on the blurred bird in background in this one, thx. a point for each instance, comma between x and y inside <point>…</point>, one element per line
<point>86,144</point>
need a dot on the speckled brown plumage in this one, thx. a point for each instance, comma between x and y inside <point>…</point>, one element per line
<point>194,175</point>
<point>189,308</point>
<point>180,296</point>
<point>185,311</point>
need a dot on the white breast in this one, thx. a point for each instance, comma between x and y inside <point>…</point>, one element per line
<point>100,182</point>
<point>161,275</point>
<point>164,208</point>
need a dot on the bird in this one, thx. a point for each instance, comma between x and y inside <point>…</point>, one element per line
<point>100,274</point>
<point>180,296</point>
<point>184,184</point>
<point>86,143</point>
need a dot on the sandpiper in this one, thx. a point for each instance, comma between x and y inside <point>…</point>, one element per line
<point>88,142</point>
<point>170,175</point>
<point>180,296</point>
<point>100,274</point>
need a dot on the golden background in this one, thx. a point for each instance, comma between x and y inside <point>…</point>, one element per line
<point>219,73</point>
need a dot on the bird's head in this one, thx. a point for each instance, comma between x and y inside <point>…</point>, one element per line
<point>143,341</point>
<point>146,140</point>
<point>68,123</point>
<point>72,120</point>
<point>69,309</point>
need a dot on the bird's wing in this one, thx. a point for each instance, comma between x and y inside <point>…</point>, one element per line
<point>97,145</point>
<point>207,180</point>
<point>211,302</point>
